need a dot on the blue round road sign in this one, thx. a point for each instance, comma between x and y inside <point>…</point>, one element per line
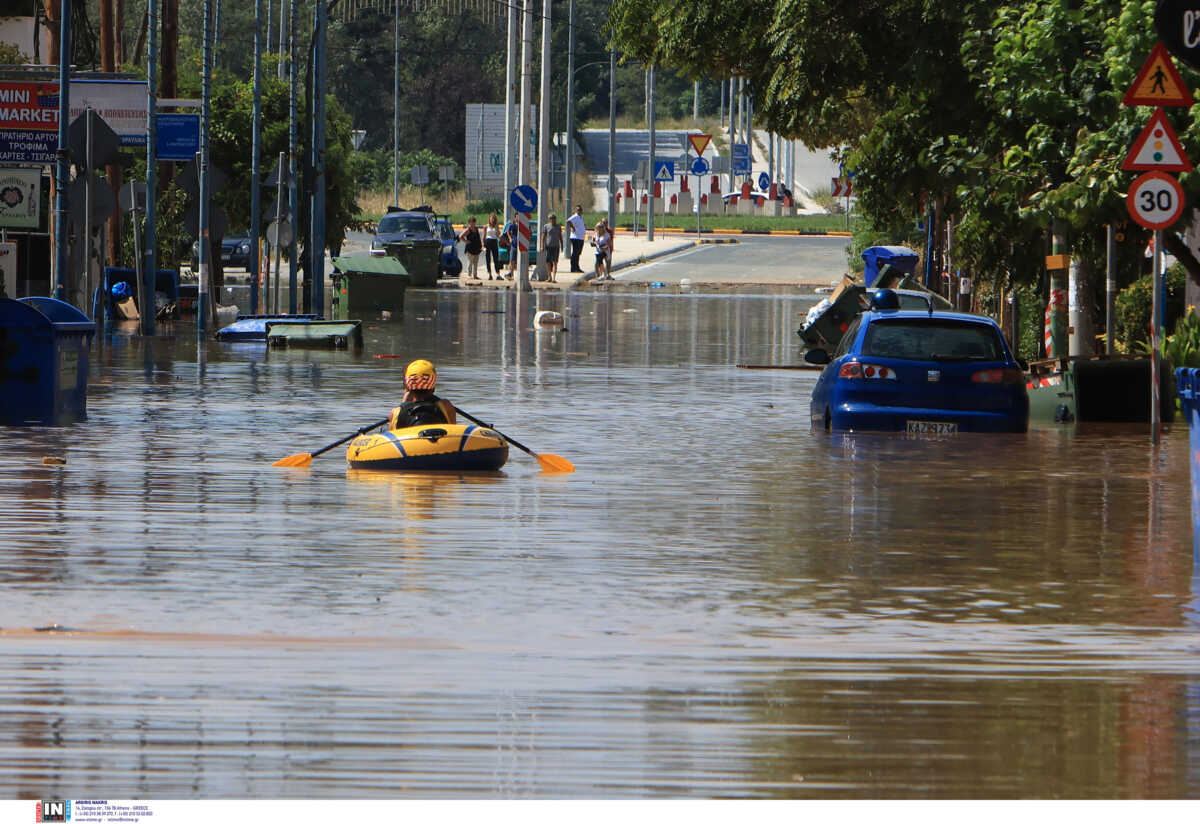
<point>700,166</point>
<point>764,181</point>
<point>523,198</point>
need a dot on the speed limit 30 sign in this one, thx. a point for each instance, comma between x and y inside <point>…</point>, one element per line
<point>1155,200</point>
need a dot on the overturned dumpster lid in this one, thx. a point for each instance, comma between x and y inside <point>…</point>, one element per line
<point>373,264</point>
<point>900,258</point>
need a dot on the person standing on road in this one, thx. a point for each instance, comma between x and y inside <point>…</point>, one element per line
<point>491,244</point>
<point>552,241</point>
<point>472,245</point>
<point>578,235</point>
<point>600,239</point>
<point>511,232</point>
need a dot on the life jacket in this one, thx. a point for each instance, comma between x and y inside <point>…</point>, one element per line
<point>418,413</point>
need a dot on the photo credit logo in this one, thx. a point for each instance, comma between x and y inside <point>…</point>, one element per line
<point>53,811</point>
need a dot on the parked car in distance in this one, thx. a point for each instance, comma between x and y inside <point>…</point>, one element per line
<point>236,250</point>
<point>919,372</point>
<point>450,264</point>
<point>759,198</point>
<point>398,225</point>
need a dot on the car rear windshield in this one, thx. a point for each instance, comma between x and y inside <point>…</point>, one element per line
<point>404,223</point>
<point>932,339</point>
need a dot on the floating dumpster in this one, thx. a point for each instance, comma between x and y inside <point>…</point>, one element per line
<point>420,259</point>
<point>43,362</point>
<point>894,260</point>
<point>1095,388</point>
<point>324,334</point>
<point>166,289</point>
<point>367,284</point>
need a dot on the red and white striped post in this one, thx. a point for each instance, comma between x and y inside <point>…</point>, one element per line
<point>523,236</point>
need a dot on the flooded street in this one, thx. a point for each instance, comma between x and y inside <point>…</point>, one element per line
<point>718,603</point>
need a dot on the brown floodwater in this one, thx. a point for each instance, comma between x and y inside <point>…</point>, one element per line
<point>718,603</point>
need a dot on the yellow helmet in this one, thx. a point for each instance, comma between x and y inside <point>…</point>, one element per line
<point>420,374</point>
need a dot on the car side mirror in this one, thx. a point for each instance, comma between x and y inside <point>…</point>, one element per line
<point>818,357</point>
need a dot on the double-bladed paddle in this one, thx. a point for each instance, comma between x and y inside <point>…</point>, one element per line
<point>305,458</point>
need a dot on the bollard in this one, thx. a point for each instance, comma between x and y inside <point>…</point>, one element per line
<point>1187,384</point>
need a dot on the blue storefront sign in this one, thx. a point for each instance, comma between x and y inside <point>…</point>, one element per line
<point>178,136</point>
<point>28,148</point>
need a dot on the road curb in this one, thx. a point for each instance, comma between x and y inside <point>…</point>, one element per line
<point>625,264</point>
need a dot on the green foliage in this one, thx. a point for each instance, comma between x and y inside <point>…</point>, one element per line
<point>1134,303</point>
<point>1182,347</point>
<point>486,206</point>
<point>1031,320</point>
<point>373,170</point>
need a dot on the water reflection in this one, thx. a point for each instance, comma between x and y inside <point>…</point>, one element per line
<point>718,603</point>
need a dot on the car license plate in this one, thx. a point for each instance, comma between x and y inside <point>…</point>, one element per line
<point>931,428</point>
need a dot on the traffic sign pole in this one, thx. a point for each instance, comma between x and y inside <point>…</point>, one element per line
<point>1155,333</point>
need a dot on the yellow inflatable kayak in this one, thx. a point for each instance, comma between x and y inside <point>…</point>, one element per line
<point>440,446</point>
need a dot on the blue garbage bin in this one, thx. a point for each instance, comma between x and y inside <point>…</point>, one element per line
<point>166,284</point>
<point>43,362</point>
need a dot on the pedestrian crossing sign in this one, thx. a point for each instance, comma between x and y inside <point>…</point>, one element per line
<point>664,170</point>
<point>1158,83</point>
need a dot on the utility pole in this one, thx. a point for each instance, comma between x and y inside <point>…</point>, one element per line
<point>569,141</point>
<point>316,255</point>
<point>695,100</point>
<point>652,182</point>
<point>284,34</point>
<point>523,139</point>
<point>150,258</point>
<point>612,139</point>
<point>396,106</point>
<point>62,155</point>
<point>544,141</point>
<point>293,154</point>
<point>510,103</point>
<point>203,307</point>
<point>256,158</point>
<point>732,128</point>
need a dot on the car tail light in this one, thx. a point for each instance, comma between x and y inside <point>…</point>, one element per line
<point>869,371</point>
<point>999,376</point>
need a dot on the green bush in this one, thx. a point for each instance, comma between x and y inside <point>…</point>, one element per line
<point>1134,307</point>
<point>485,206</point>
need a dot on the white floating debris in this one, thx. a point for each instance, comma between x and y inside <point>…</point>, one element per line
<point>548,318</point>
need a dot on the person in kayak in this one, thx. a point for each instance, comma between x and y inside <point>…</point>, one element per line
<point>420,406</point>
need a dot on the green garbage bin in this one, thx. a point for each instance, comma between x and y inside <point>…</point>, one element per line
<point>420,259</point>
<point>367,285</point>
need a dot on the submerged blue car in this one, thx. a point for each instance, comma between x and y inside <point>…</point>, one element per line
<point>921,372</point>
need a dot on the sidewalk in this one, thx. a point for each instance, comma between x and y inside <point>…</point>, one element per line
<point>627,251</point>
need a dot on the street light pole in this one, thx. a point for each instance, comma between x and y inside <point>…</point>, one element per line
<point>510,102</point>
<point>543,141</point>
<point>650,118</point>
<point>396,107</point>
<point>569,164</point>
<point>612,139</point>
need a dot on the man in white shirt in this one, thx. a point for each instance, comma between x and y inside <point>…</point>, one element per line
<point>578,234</point>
